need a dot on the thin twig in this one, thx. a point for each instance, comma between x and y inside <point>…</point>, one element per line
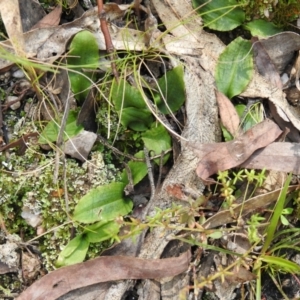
<point>129,188</point>
<point>108,42</point>
<point>161,162</point>
<point>150,173</point>
<point>60,140</point>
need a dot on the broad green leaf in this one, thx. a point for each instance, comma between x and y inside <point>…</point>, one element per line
<point>221,15</point>
<point>130,106</point>
<point>100,231</point>
<point>83,55</point>
<point>172,88</point>
<point>136,118</point>
<point>74,252</point>
<point>156,140</point>
<point>234,68</point>
<point>51,130</point>
<point>262,28</point>
<point>104,203</point>
<point>138,172</point>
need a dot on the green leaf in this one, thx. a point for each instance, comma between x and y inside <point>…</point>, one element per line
<point>156,140</point>
<point>262,28</point>
<point>226,134</point>
<point>216,235</point>
<point>100,231</point>
<point>138,172</point>
<point>284,220</point>
<point>173,92</point>
<point>270,230</point>
<point>74,252</point>
<point>250,117</point>
<point>130,106</point>
<point>51,130</point>
<point>104,203</point>
<point>83,54</point>
<point>136,119</point>
<point>221,15</point>
<point>281,264</point>
<point>234,68</point>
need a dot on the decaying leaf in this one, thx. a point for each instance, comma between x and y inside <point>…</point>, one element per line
<point>228,114</point>
<point>103,269</point>
<point>10,15</point>
<point>268,70</point>
<point>50,20</point>
<point>264,64</point>
<point>223,156</point>
<point>283,157</point>
<point>258,202</point>
<point>281,48</point>
<point>46,43</point>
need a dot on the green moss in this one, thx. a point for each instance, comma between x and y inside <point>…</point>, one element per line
<point>31,185</point>
<point>281,12</point>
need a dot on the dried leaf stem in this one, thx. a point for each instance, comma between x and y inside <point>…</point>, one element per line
<point>107,37</point>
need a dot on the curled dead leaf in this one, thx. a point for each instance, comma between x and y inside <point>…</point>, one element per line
<point>222,156</point>
<point>104,269</point>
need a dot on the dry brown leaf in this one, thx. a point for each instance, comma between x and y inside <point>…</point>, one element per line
<point>10,15</point>
<point>228,114</point>
<point>281,48</point>
<point>258,202</point>
<point>50,20</point>
<point>240,274</point>
<point>283,157</point>
<point>103,269</point>
<point>269,71</point>
<point>223,156</point>
<point>264,64</point>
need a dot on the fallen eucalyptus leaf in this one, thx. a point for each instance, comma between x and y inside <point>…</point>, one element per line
<point>276,156</point>
<point>258,202</point>
<point>228,114</point>
<point>50,20</point>
<point>264,64</point>
<point>222,156</point>
<point>103,269</point>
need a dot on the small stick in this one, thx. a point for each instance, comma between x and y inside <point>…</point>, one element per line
<point>161,160</point>
<point>129,188</point>
<point>150,173</point>
<point>107,37</point>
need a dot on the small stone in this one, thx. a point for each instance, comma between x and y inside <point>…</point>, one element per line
<point>80,145</point>
<point>18,74</point>
<point>15,105</point>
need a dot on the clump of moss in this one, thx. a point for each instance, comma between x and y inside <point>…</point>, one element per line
<point>281,12</point>
<point>30,184</point>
